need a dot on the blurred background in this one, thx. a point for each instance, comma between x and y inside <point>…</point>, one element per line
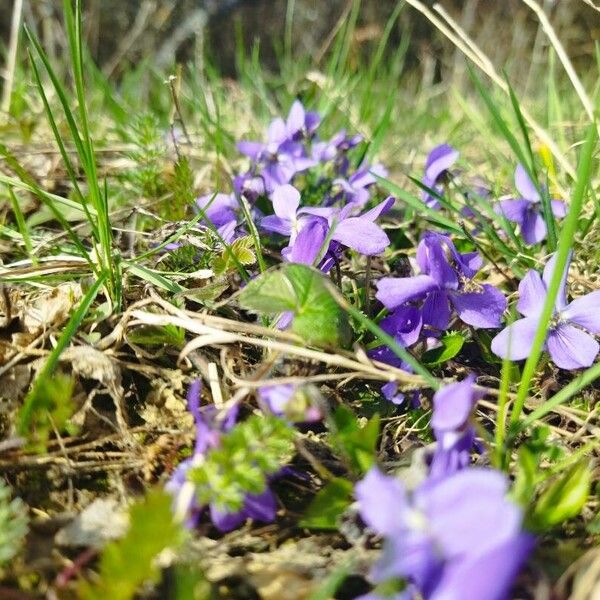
<point>122,33</point>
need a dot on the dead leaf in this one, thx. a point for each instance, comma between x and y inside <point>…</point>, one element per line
<point>105,519</point>
<point>50,309</point>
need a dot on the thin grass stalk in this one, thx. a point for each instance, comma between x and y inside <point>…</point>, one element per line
<point>480,59</point>
<point>563,57</point>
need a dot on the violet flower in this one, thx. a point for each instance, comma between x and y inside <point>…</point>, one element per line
<point>439,160</point>
<point>290,401</point>
<point>221,210</point>
<point>281,157</point>
<point>569,340</point>
<point>454,433</point>
<point>356,188</point>
<point>527,210</point>
<point>359,232</point>
<point>445,283</point>
<point>261,507</point>
<point>456,538</point>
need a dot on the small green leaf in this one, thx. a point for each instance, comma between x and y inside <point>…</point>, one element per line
<point>328,505</point>
<point>356,442</point>
<point>564,498</point>
<point>318,318</point>
<point>451,346</point>
<point>270,293</point>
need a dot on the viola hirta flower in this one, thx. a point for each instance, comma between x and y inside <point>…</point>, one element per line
<point>526,211</point>
<point>569,340</point>
<point>445,284</point>
<point>439,161</point>
<point>358,232</point>
<point>455,538</point>
<point>282,156</point>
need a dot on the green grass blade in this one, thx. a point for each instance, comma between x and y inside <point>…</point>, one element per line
<point>567,235</point>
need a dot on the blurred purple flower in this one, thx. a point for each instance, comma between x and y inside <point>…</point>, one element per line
<point>281,156</point>
<point>221,211</point>
<point>450,421</point>
<point>569,340</point>
<point>261,507</point>
<point>290,401</point>
<point>356,188</point>
<point>456,538</point>
<point>300,123</point>
<point>527,210</point>
<point>445,282</point>
<point>439,160</point>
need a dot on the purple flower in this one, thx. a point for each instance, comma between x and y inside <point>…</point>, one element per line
<point>281,157</point>
<point>301,124</point>
<point>357,232</point>
<point>452,408</point>
<point>445,282</point>
<point>569,340</point>
<point>335,148</point>
<point>221,210</point>
<point>527,211</point>
<point>261,507</point>
<point>440,159</point>
<point>291,401</point>
<point>456,538</point>
<point>356,188</point>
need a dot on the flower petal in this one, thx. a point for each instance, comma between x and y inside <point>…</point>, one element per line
<point>308,242</point>
<point>515,341</point>
<point>440,159</point>
<point>561,298</point>
<point>436,310</point>
<point>489,575</point>
<point>393,291</point>
<point>376,493</point>
<point>452,405</point>
<point>276,225</point>
<point>252,150</point>
<point>532,294</point>
<point>514,209</point>
<point>585,311</point>
<point>533,227</point>
<point>295,119</point>
<point>286,200</point>
<point>433,261</point>
<point>361,235</point>
<point>571,348</point>
<point>482,309</point>
<point>525,186</point>
<point>559,208</point>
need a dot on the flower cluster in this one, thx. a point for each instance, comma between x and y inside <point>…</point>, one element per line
<point>456,534</point>
<point>304,190</point>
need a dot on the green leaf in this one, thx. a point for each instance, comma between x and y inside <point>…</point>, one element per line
<point>270,293</point>
<point>318,318</point>
<point>328,505</point>
<point>356,442</point>
<point>564,498</point>
<point>451,346</point>
<point>127,563</point>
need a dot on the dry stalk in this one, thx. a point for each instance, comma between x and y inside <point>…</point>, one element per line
<point>470,49</point>
<point>11,62</point>
<point>563,57</point>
